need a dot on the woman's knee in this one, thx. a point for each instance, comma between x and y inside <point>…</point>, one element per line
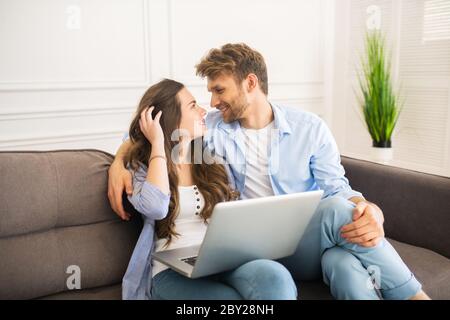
<point>269,278</point>
<point>267,267</point>
<point>171,285</point>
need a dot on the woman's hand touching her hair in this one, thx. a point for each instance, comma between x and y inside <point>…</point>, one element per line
<point>151,128</point>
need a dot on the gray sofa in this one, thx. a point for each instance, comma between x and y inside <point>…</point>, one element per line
<point>54,213</point>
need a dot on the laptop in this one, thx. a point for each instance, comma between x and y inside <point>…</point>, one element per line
<point>245,230</point>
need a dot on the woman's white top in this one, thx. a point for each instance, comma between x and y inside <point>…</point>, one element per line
<point>189,224</point>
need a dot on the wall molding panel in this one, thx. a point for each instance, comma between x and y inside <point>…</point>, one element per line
<point>77,84</point>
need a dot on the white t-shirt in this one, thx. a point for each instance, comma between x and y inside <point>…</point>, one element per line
<point>189,224</point>
<point>257,180</point>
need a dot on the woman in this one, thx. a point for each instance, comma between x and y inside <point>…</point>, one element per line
<point>176,197</point>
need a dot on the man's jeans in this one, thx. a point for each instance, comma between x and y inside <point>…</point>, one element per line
<point>351,271</point>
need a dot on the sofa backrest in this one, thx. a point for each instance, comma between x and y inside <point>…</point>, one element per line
<point>416,205</point>
<point>55,220</point>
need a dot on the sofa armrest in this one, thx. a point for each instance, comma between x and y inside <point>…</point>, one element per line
<point>416,205</point>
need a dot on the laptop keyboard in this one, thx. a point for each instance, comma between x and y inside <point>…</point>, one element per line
<point>190,260</point>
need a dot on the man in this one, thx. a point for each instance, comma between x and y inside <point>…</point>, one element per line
<point>296,152</point>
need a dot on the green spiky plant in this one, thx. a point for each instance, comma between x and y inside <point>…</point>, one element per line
<point>379,103</point>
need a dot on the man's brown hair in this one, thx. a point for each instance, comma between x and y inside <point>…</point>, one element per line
<point>236,59</point>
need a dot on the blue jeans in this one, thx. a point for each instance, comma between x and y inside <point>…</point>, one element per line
<point>351,271</point>
<point>255,280</point>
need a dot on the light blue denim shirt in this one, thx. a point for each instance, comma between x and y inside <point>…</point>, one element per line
<point>303,157</point>
<point>153,205</point>
<point>303,154</point>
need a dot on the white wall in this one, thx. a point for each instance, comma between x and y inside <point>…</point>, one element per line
<point>73,71</point>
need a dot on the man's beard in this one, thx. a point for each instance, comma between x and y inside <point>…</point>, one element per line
<point>236,109</point>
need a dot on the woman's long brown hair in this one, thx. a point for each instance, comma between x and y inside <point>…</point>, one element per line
<point>211,179</point>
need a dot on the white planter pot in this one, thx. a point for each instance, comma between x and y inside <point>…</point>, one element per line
<point>382,155</point>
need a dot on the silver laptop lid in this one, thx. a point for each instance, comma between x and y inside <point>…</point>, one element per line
<point>263,228</point>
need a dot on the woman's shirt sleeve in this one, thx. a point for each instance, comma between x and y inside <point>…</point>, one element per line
<point>148,199</point>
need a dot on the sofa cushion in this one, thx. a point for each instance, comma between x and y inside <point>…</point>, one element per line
<point>55,213</point>
<point>46,190</point>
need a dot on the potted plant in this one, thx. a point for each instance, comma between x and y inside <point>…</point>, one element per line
<point>379,103</point>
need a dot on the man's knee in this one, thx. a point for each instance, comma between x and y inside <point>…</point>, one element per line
<point>333,203</point>
<point>338,263</point>
<point>336,210</point>
<point>346,276</point>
